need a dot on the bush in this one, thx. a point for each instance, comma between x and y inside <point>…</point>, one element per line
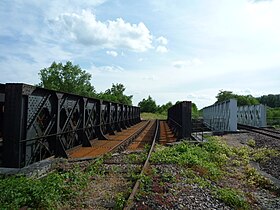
<point>232,197</point>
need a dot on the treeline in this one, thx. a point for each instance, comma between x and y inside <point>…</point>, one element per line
<point>242,100</point>
<point>270,100</point>
<point>149,105</point>
<point>71,78</point>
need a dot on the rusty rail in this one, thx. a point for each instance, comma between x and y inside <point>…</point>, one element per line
<point>129,202</point>
<point>166,135</point>
<point>114,143</point>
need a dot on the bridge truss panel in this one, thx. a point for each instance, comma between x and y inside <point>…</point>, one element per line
<point>254,115</point>
<point>179,119</point>
<point>221,116</point>
<point>39,123</point>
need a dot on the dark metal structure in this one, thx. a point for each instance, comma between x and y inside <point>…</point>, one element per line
<point>38,123</point>
<point>2,99</point>
<point>179,119</point>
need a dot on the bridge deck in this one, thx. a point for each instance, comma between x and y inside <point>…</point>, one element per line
<point>99,147</point>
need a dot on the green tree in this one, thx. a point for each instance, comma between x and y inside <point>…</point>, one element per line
<point>270,100</point>
<point>195,111</point>
<point>241,99</point>
<point>163,108</point>
<point>224,96</point>
<point>67,78</point>
<point>148,105</point>
<point>116,94</point>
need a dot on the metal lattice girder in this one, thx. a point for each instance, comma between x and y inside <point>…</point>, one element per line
<point>2,101</point>
<point>179,119</point>
<point>221,116</point>
<point>40,123</point>
<point>254,115</point>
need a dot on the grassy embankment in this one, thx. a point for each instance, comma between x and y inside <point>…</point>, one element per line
<point>152,116</point>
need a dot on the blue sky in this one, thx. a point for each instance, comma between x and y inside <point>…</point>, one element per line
<point>169,49</point>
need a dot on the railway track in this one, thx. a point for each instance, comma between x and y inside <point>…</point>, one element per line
<point>129,203</point>
<point>115,143</point>
<point>166,135</point>
<point>264,131</point>
<point>271,130</point>
<point>144,138</point>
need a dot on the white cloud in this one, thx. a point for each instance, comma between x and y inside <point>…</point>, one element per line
<point>162,40</point>
<point>179,64</point>
<point>85,29</point>
<point>97,70</point>
<point>161,49</point>
<point>183,63</point>
<point>112,53</point>
<point>150,78</point>
<point>195,61</point>
<point>257,1</point>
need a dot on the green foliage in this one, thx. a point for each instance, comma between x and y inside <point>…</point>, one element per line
<point>167,177</point>
<point>273,117</point>
<point>116,94</point>
<point>264,154</point>
<point>50,192</point>
<point>254,178</point>
<point>96,168</point>
<point>218,167</point>
<point>270,100</point>
<point>207,157</point>
<point>242,155</point>
<point>241,99</point>
<point>201,182</point>
<point>163,108</point>
<point>145,183</point>
<point>67,78</point>
<point>273,113</point>
<point>148,105</point>
<point>152,116</point>
<point>136,158</point>
<point>195,112</point>
<point>251,143</point>
<point>232,197</point>
<point>120,201</point>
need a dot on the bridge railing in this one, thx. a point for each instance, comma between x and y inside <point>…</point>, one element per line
<point>221,116</point>
<point>253,115</point>
<point>179,119</point>
<point>39,123</point>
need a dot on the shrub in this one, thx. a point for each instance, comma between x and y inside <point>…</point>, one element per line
<point>232,197</point>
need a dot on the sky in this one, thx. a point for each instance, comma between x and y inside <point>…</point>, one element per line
<point>172,50</point>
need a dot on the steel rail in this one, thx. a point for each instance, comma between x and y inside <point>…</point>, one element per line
<point>118,146</point>
<point>258,130</point>
<point>129,140</point>
<point>129,203</point>
<point>270,130</point>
